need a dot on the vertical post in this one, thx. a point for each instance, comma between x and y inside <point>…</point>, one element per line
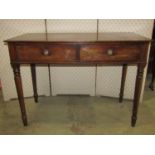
<point>138,86</point>
<point>34,82</point>
<point>123,79</point>
<point>18,83</point>
<point>151,86</point>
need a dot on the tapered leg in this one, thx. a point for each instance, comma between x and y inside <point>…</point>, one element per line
<point>124,71</point>
<point>151,86</point>
<point>34,82</point>
<point>137,93</point>
<point>18,82</point>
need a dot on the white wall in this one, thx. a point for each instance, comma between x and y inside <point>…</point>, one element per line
<point>69,80</point>
<point>11,28</point>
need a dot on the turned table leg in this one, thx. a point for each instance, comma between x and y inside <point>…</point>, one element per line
<point>18,82</point>
<point>124,72</point>
<point>151,86</point>
<point>34,82</point>
<point>137,93</point>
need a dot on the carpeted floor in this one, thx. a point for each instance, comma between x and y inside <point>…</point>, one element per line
<point>78,115</point>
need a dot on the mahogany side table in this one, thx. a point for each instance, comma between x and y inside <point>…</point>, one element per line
<point>79,49</point>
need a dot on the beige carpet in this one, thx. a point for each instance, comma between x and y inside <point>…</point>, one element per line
<point>78,115</point>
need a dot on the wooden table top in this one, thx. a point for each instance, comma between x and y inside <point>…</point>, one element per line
<point>78,37</point>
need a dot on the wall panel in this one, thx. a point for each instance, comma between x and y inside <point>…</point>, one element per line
<point>8,29</point>
<point>72,80</point>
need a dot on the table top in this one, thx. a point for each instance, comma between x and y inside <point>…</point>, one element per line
<point>78,37</point>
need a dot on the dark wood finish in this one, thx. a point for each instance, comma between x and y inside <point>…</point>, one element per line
<point>79,49</point>
<point>34,82</point>
<point>18,82</point>
<point>138,86</point>
<point>37,52</point>
<point>124,72</point>
<point>151,65</point>
<point>99,52</point>
<point>151,86</point>
<point>78,37</point>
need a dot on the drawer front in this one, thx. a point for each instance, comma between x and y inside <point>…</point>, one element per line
<point>107,53</point>
<point>50,53</point>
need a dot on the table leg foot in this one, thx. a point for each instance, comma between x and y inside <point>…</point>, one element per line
<point>25,123</point>
<point>133,121</point>
<point>36,99</point>
<point>151,86</point>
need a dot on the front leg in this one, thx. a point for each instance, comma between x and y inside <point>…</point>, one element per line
<point>18,83</point>
<point>138,87</point>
